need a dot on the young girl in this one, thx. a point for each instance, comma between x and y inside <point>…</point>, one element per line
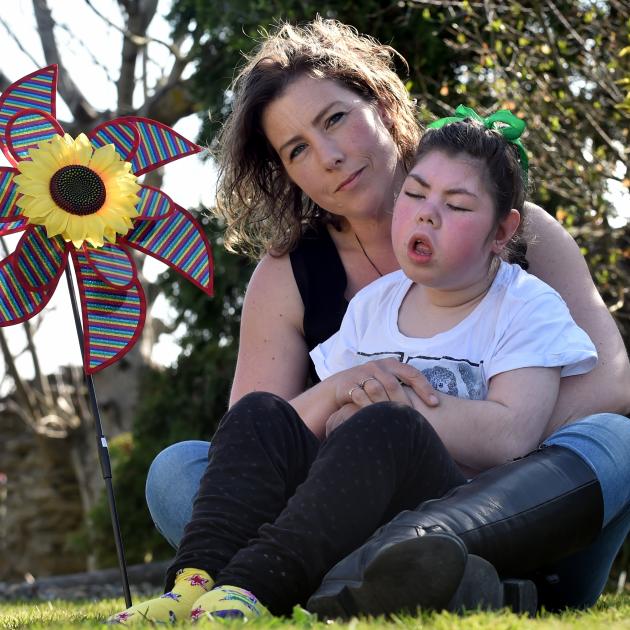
<point>484,332</point>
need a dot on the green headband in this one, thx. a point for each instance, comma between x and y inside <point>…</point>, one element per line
<point>503,121</point>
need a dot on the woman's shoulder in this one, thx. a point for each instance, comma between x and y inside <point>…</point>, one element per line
<point>273,280</point>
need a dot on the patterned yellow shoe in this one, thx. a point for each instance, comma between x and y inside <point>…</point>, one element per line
<point>227,602</point>
<point>172,606</point>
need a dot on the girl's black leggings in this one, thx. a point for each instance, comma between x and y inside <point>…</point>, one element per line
<point>277,508</point>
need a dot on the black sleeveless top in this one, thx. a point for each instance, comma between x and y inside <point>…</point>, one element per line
<point>321,280</point>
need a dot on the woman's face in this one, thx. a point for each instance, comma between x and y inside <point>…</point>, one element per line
<point>335,146</point>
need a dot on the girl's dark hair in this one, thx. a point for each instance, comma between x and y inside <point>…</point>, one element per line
<point>503,173</point>
<point>263,210</point>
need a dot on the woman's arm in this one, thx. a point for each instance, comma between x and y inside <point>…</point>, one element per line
<point>556,259</point>
<point>272,354</point>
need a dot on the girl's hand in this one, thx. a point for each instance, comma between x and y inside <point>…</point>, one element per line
<point>382,380</point>
<point>340,416</point>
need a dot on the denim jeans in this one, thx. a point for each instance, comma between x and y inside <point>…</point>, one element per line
<point>603,440</point>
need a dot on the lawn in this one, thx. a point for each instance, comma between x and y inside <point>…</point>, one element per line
<point>611,613</point>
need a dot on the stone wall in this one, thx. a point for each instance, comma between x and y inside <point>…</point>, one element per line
<point>40,503</point>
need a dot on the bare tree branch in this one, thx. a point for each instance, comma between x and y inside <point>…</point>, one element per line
<point>139,17</point>
<point>170,103</point>
<point>23,392</point>
<point>139,40</point>
<point>18,43</point>
<point>81,109</point>
<point>93,58</point>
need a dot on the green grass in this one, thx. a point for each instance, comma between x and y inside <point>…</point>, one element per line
<point>611,613</point>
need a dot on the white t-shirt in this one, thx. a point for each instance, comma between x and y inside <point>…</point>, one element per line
<point>521,322</point>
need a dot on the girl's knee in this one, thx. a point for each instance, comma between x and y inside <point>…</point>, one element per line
<point>258,410</point>
<point>390,422</point>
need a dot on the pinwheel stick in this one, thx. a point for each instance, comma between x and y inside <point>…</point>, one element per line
<point>101,445</point>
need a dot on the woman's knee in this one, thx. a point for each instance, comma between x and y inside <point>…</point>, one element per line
<point>603,442</point>
<point>173,477</point>
<point>172,482</point>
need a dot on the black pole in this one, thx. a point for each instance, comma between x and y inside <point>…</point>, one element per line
<point>101,445</point>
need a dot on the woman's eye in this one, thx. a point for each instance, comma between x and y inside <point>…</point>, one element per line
<point>295,151</point>
<point>457,208</point>
<point>335,118</point>
<point>414,195</point>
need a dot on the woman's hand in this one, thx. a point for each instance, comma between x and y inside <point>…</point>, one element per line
<point>382,380</point>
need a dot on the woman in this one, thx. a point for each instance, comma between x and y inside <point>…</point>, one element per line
<point>311,178</point>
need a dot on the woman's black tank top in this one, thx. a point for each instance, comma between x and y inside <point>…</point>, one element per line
<point>321,280</point>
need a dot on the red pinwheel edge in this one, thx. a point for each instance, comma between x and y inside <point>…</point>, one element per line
<point>208,290</point>
<point>53,101</point>
<point>45,295</point>
<point>95,267</point>
<point>9,142</point>
<point>19,274</point>
<point>195,148</point>
<point>86,327</point>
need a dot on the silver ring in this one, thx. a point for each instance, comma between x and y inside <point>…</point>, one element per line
<point>351,390</point>
<point>364,381</point>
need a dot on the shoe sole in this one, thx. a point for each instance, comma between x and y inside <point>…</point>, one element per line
<point>422,572</point>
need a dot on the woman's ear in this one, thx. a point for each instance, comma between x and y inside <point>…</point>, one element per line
<point>505,230</point>
<point>385,115</point>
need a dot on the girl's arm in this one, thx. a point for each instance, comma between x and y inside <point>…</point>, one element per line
<point>509,423</point>
<point>556,259</point>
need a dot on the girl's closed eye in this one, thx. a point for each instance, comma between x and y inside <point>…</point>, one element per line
<point>457,208</point>
<point>414,194</point>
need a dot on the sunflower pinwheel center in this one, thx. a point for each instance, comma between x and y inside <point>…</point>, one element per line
<point>78,190</point>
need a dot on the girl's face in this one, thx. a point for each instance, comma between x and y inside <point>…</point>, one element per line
<point>444,229</point>
<point>335,146</point>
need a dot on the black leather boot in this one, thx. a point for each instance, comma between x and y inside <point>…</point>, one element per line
<point>519,517</point>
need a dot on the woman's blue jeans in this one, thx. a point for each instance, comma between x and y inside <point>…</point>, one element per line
<point>602,440</point>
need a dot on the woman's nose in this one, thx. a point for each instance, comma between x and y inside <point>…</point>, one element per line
<point>331,155</point>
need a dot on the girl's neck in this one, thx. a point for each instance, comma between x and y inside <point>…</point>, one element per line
<point>463,298</point>
<point>441,310</point>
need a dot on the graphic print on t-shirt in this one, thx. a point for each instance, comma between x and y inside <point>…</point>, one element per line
<point>455,377</point>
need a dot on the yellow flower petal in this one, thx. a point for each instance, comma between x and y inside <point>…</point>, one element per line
<point>84,150</point>
<point>75,230</point>
<point>58,202</point>
<point>56,223</point>
<point>37,207</point>
<point>105,160</point>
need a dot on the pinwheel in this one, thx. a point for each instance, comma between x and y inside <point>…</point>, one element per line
<point>78,201</point>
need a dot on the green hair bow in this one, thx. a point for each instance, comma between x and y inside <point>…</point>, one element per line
<point>503,121</point>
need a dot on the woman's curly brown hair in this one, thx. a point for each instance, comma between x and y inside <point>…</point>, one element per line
<point>263,210</point>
